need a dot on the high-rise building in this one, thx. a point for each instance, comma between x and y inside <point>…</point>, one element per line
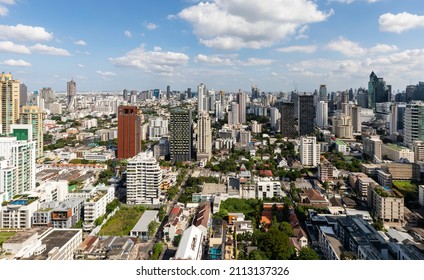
<point>201,98</point>
<point>413,123</point>
<point>33,116</point>
<point>418,148</point>
<point>17,166</point>
<point>233,115</point>
<point>168,92</point>
<point>288,121</point>
<point>10,94</point>
<point>71,93</point>
<point>129,131</point>
<point>48,95</point>
<point>378,91</point>
<point>125,94</point>
<point>158,127</point>
<point>396,117</point>
<point>323,95</point>
<point>189,93</point>
<point>255,92</point>
<point>181,135</point>
<point>204,140</point>
<point>309,151</point>
<point>322,114</point>
<point>275,117</point>
<point>144,178</point>
<point>23,94</point>
<point>241,100</point>
<point>342,126</point>
<point>355,114</point>
<point>306,114</point>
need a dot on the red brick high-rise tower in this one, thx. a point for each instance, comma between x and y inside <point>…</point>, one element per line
<point>129,131</point>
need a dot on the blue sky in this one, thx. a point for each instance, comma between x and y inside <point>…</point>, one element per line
<point>225,44</point>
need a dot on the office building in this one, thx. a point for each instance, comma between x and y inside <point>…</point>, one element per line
<point>378,91</point>
<point>306,114</point>
<point>10,100</point>
<point>322,114</point>
<point>396,114</point>
<point>288,121</point>
<point>181,135</point>
<point>204,140</point>
<point>418,149</point>
<point>355,114</point>
<point>47,94</point>
<point>241,100</point>
<point>33,115</point>
<point>309,151</point>
<point>255,92</point>
<point>71,93</point>
<point>413,123</point>
<point>129,131</point>
<point>323,96</point>
<point>144,177</point>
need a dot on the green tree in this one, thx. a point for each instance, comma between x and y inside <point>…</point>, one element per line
<point>152,228</point>
<point>307,253</point>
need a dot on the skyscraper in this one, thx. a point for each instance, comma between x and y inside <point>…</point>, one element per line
<point>413,123</point>
<point>255,92</point>
<point>47,94</point>
<point>378,91</point>
<point>288,121</point>
<point>33,116</point>
<point>201,96</point>
<point>306,114</point>
<point>23,94</point>
<point>71,93</point>
<point>129,131</point>
<point>181,135</point>
<point>204,140</point>
<point>168,92</point>
<point>10,95</point>
<point>342,126</point>
<point>144,177</point>
<point>233,115</point>
<point>322,114</point>
<point>241,100</point>
<point>125,94</point>
<point>323,96</point>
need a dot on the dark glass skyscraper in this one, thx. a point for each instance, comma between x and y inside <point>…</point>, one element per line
<point>288,121</point>
<point>306,114</point>
<point>181,135</point>
<point>378,91</point>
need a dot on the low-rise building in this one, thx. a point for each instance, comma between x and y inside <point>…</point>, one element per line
<point>421,195</point>
<point>141,229</point>
<point>191,243</point>
<point>68,213</point>
<point>18,212</point>
<point>268,188</point>
<point>395,152</point>
<point>329,244</point>
<point>387,205</point>
<point>95,206</point>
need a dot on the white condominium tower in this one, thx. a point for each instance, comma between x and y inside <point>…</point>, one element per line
<point>309,151</point>
<point>144,178</point>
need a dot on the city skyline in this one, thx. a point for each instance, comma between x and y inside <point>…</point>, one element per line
<point>276,45</point>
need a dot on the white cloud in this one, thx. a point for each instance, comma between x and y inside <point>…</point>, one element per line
<point>127,33</point>
<point>157,49</point>
<point>302,49</point>
<point>22,32</point>
<point>236,24</point>
<point>231,60</point>
<point>17,63</point>
<point>10,47</point>
<point>150,26</point>
<point>400,22</point>
<point>346,47</point>
<point>4,11</point>
<point>105,74</point>
<point>383,48</point>
<point>151,61</point>
<point>8,2</point>
<point>81,65</point>
<point>80,43</point>
<point>171,17</point>
<point>302,33</point>
<point>43,49</point>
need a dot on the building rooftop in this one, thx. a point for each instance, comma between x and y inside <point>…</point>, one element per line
<point>143,223</point>
<point>56,238</point>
